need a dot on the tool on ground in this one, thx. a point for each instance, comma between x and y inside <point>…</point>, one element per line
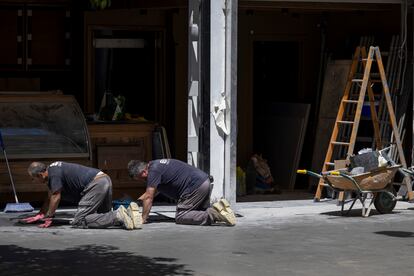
<point>365,85</point>
<point>13,207</point>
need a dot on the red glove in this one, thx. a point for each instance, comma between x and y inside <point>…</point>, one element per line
<point>34,219</point>
<point>47,223</point>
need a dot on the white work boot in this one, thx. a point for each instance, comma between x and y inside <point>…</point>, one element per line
<point>124,218</point>
<point>225,213</point>
<point>135,215</point>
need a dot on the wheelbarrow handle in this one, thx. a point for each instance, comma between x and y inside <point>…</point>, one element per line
<point>408,171</point>
<point>331,173</point>
<point>309,173</point>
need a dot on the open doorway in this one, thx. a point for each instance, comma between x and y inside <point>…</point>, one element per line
<point>279,119</point>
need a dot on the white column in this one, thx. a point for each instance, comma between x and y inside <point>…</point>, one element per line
<point>223,80</point>
<point>230,160</point>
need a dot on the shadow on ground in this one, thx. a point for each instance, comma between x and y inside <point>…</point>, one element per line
<point>84,260</point>
<point>397,234</point>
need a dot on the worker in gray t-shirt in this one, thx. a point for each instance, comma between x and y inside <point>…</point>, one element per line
<point>188,185</point>
<point>89,187</point>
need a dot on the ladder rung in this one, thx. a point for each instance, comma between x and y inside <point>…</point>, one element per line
<point>357,80</point>
<point>346,122</point>
<point>330,164</point>
<point>350,101</point>
<point>340,143</point>
<point>365,59</point>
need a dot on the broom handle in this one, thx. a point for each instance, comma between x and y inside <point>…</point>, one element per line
<point>8,167</point>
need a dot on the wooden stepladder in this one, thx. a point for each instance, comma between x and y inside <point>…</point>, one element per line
<point>351,102</point>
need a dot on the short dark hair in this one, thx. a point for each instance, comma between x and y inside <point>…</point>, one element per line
<point>135,167</point>
<point>36,168</point>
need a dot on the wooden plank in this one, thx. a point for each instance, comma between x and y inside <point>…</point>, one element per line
<point>334,83</point>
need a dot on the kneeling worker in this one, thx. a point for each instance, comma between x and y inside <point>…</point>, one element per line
<point>88,186</point>
<point>185,183</point>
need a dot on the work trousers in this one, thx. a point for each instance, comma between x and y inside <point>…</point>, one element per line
<point>94,209</point>
<point>194,208</point>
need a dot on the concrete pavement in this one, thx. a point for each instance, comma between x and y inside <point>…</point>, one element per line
<point>296,237</point>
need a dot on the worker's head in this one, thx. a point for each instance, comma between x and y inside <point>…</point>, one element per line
<point>38,172</point>
<point>138,169</point>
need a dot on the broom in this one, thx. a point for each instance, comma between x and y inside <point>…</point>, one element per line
<point>14,207</point>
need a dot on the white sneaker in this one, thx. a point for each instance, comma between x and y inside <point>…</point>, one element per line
<point>135,215</point>
<point>122,215</point>
<point>226,214</point>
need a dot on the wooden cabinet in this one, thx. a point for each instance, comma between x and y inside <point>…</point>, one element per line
<point>48,36</point>
<point>35,37</point>
<point>11,37</point>
<point>114,145</point>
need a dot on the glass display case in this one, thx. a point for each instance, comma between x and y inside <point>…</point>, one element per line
<point>43,126</point>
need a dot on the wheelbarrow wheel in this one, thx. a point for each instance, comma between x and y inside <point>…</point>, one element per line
<point>384,203</point>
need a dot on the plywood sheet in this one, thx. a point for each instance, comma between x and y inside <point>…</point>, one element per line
<point>336,75</point>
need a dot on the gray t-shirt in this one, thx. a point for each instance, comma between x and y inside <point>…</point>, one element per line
<point>174,178</point>
<point>70,179</point>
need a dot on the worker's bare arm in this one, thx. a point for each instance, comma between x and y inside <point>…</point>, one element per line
<point>53,203</point>
<point>147,199</point>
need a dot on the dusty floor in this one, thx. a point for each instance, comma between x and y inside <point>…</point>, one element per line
<point>292,237</point>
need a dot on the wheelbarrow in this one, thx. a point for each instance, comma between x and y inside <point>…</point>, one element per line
<point>377,182</point>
